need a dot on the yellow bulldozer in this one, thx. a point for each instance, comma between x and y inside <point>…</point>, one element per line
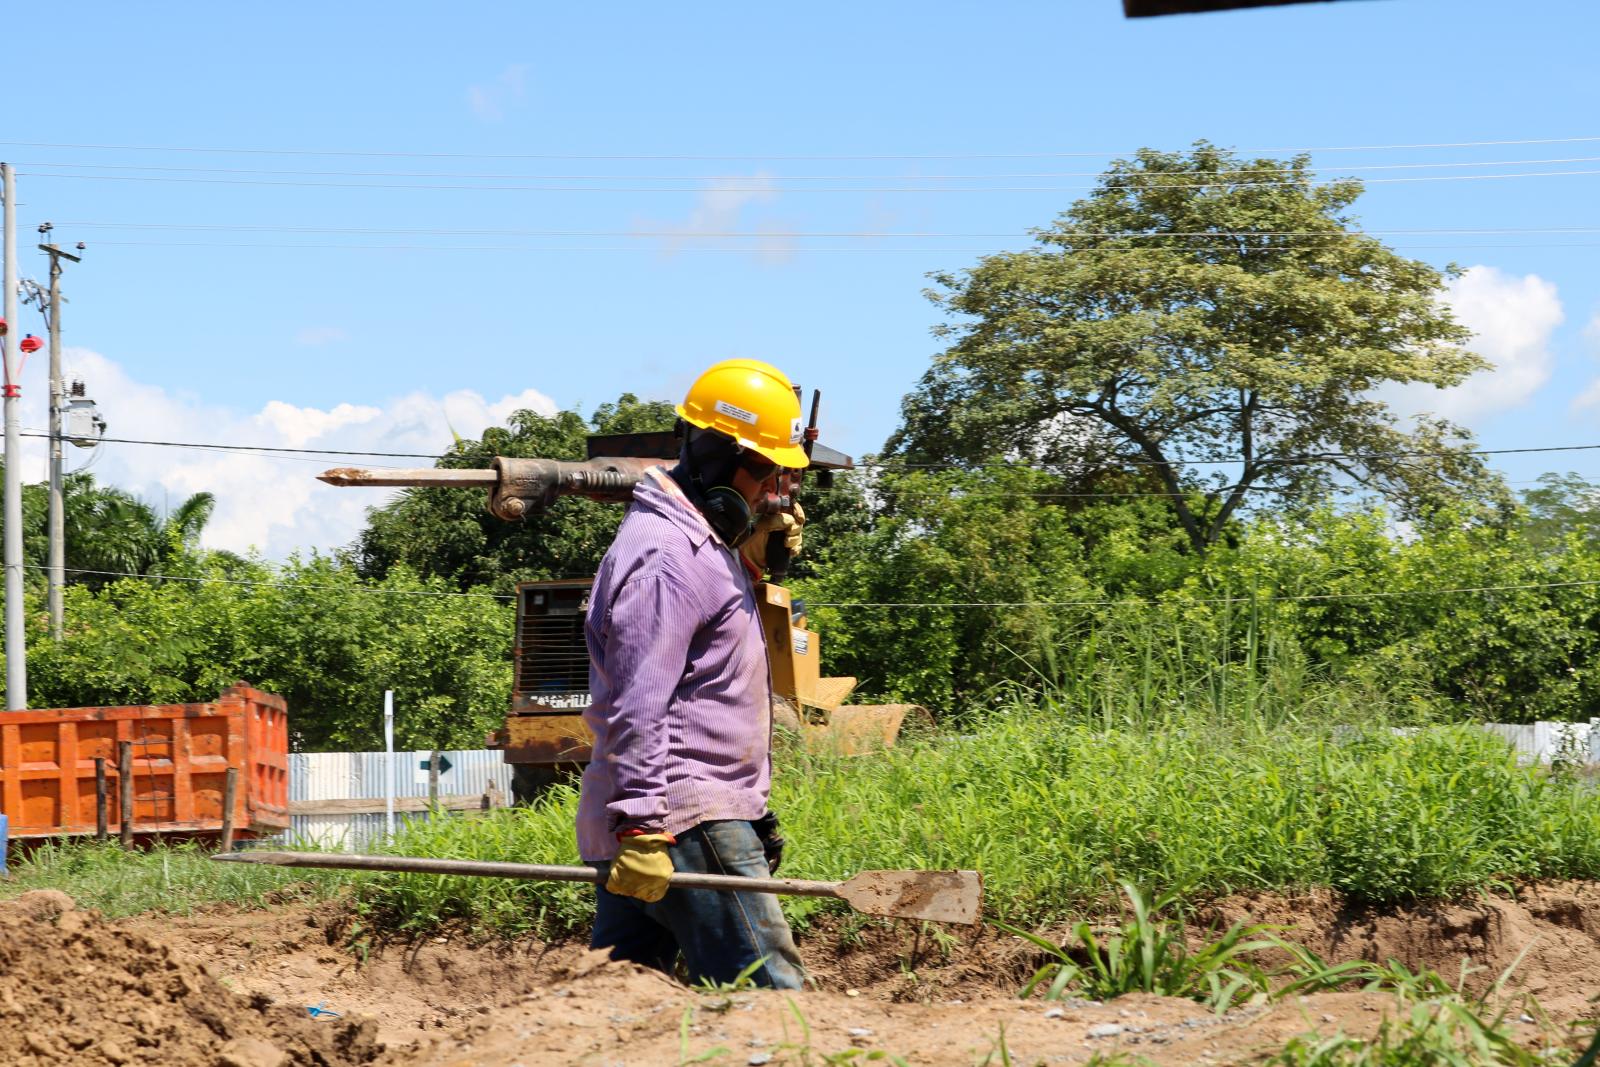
<point>544,738</point>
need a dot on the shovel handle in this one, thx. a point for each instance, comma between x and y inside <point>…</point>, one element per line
<point>535,871</point>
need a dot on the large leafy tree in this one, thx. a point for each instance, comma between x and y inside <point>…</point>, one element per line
<point>1204,327</point>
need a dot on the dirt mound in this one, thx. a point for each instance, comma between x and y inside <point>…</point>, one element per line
<point>1546,938</point>
<point>74,989</point>
<point>302,956</point>
<point>930,995</point>
<point>620,1014</point>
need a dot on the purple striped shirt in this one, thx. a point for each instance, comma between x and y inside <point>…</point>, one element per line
<point>680,695</point>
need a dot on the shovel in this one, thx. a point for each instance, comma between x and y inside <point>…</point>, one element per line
<point>937,896</point>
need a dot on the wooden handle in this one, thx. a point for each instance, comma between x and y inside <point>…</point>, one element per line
<point>535,871</point>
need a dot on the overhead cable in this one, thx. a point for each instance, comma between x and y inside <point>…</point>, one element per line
<point>371,154</point>
<point>1184,601</point>
<point>768,188</point>
<point>1141,235</point>
<point>779,178</point>
<point>950,604</point>
<point>361,589</point>
<point>797,250</point>
<point>892,466</point>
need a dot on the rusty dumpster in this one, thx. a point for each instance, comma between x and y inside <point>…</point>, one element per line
<point>181,754</point>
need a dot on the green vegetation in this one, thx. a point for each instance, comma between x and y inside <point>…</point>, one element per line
<point>1054,807</point>
<point>1056,813</point>
<point>1179,315</point>
<point>1447,1031</point>
<point>1151,434</point>
<point>1151,954</point>
<point>171,879</point>
<point>310,630</point>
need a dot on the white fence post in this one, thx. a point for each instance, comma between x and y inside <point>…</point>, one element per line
<point>388,748</point>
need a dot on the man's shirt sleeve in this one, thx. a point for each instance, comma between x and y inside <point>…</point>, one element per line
<point>647,640</point>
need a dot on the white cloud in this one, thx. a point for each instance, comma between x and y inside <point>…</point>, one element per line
<point>1590,397</point>
<point>719,211</point>
<point>1511,318</point>
<point>491,100</point>
<point>320,335</point>
<point>268,502</point>
<point>299,425</point>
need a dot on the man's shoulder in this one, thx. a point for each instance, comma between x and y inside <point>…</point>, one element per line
<point>649,544</point>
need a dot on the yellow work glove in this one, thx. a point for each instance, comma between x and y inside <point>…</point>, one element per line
<point>755,548</point>
<point>642,867</point>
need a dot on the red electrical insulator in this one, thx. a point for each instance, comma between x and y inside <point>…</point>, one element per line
<point>31,344</point>
<point>3,327</point>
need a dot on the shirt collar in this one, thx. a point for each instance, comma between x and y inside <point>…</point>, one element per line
<point>661,493</point>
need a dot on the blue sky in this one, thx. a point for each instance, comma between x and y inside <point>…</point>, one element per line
<point>217,302</point>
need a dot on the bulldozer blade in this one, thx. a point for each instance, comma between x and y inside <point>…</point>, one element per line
<point>936,896</point>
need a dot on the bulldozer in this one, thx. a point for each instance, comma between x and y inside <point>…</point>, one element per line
<point>544,738</point>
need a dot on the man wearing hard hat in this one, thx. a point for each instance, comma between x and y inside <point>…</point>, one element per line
<point>681,707</point>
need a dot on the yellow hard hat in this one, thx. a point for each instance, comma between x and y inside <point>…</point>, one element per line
<point>752,402</point>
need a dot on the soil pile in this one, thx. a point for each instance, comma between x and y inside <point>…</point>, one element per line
<point>620,1015</point>
<point>1545,940</point>
<point>74,989</point>
<point>300,955</point>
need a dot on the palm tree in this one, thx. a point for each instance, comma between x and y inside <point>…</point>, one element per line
<point>111,533</point>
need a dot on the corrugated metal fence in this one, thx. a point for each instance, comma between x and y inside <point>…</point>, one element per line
<point>363,776</point>
<point>1572,742</point>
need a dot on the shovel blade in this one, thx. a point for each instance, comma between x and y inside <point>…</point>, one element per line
<point>937,896</point>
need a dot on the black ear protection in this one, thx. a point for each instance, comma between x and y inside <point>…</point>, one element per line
<point>707,461</point>
<point>725,509</point>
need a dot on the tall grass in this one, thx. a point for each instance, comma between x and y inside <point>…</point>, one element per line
<point>175,879</point>
<point>1056,811</point>
<point>540,834</point>
<point>1195,759</point>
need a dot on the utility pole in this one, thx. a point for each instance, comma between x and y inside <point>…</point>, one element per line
<point>16,637</point>
<point>51,306</point>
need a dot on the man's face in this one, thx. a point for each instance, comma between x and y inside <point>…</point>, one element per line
<point>755,479</point>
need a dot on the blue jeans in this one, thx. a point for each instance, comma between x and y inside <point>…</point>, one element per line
<point>719,933</point>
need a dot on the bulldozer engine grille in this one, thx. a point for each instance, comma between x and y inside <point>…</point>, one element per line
<point>552,667</point>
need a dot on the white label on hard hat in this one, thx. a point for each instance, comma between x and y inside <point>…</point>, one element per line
<point>748,417</point>
<point>802,642</point>
<point>797,430</point>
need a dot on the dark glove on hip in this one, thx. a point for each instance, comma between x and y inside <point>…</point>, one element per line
<point>766,829</point>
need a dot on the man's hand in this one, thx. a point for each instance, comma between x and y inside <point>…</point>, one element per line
<point>642,867</point>
<point>766,829</point>
<point>755,547</point>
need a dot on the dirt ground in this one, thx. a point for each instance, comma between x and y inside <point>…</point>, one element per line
<point>231,989</point>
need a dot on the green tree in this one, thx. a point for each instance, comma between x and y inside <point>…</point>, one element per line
<point>109,531</point>
<point>925,605</point>
<point>450,533</point>
<point>1563,504</point>
<point>1199,309</point>
<point>310,630</point>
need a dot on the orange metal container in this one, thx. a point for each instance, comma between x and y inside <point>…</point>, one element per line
<point>181,756</point>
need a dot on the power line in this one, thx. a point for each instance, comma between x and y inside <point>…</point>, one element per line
<point>799,250</point>
<point>361,589</point>
<point>260,448</point>
<point>1147,235</point>
<point>1306,458</point>
<point>768,188</point>
<point>778,178</point>
<point>1184,601</point>
<point>1104,602</point>
<point>370,154</point>
<point>868,464</point>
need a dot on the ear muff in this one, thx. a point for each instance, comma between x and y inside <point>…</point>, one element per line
<point>707,461</point>
<point>729,515</point>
